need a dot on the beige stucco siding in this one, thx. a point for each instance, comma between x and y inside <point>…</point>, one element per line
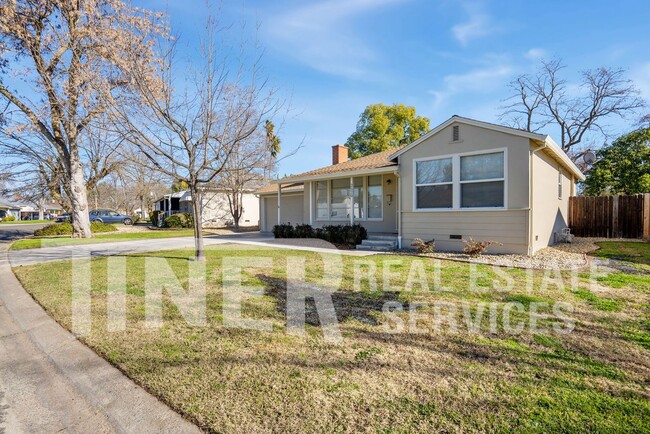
<point>550,212</point>
<point>508,226</point>
<point>473,139</point>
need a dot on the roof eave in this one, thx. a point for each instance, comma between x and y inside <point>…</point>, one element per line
<point>558,153</point>
<point>343,174</point>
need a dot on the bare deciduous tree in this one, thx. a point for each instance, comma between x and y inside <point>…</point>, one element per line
<point>250,165</point>
<point>72,54</point>
<point>189,127</point>
<point>546,99</point>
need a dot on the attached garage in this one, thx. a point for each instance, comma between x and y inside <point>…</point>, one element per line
<point>292,209</point>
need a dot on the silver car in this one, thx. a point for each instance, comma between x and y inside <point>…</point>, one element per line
<point>109,216</point>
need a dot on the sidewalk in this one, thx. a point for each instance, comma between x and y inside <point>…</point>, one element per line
<point>51,382</point>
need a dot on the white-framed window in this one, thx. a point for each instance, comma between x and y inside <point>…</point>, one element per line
<point>461,181</point>
<point>434,186</point>
<point>333,201</point>
<point>559,183</point>
<point>375,197</point>
<point>482,180</point>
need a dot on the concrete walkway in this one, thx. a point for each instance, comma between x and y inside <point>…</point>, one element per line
<point>50,382</point>
<point>49,254</point>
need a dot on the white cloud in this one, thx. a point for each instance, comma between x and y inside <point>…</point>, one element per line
<point>536,54</point>
<point>322,36</point>
<point>478,24</point>
<point>482,80</point>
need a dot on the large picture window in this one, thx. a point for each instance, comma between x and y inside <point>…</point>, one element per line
<point>333,200</point>
<point>434,183</point>
<point>461,181</point>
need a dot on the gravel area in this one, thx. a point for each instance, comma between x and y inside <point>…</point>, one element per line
<point>565,256</point>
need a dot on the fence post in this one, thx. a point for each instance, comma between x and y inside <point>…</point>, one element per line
<point>615,233</point>
<point>646,217</point>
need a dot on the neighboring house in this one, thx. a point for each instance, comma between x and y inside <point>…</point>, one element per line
<point>8,208</point>
<point>216,210</point>
<point>28,211</point>
<point>464,178</point>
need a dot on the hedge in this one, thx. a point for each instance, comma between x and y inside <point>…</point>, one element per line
<point>338,234</point>
<point>180,220</point>
<point>66,229</point>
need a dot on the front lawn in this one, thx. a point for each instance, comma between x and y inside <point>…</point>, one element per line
<point>34,243</point>
<point>225,379</point>
<point>630,251</point>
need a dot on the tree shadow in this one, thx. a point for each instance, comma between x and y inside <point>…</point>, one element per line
<point>360,306</point>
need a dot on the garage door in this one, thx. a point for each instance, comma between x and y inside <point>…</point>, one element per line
<point>292,211</point>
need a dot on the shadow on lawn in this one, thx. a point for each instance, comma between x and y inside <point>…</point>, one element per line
<point>359,306</point>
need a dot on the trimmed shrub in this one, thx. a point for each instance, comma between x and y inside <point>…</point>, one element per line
<point>283,231</point>
<point>181,220</point>
<point>336,234</point>
<point>424,246</point>
<point>155,216</point>
<point>66,229</point>
<point>101,227</point>
<point>475,248</point>
<point>304,231</point>
<point>9,218</point>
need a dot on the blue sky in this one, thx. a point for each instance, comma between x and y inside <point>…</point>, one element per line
<point>331,58</point>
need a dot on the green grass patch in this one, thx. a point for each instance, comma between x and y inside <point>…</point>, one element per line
<point>35,243</point>
<point>24,222</point>
<point>621,280</point>
<point>600,303</point>
<point>637,252</point>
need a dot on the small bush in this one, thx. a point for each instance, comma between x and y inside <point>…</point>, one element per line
<point>66,229</point>
<point>284,231</point>
<point>97,227</point>
<point>304,231</point>
<point>180,220</point>
<point>475,248</point>
<point>9,218</point>
<point>424,246</point>
<point>155,216</point>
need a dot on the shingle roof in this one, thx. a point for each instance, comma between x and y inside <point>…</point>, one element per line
<point>373,161</point>
<point>286,188</point>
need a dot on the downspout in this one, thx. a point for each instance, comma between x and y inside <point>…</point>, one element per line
<point>530,199</point>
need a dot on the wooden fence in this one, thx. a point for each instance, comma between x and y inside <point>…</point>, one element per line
<point>610,216</point>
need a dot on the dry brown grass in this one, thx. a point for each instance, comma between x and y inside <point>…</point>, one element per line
<point>234,380</point>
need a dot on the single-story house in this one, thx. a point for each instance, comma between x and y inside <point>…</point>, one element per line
<point>8,208</point>
<point>28,210</point>
<point>464,178</point>
<point>216,209</point>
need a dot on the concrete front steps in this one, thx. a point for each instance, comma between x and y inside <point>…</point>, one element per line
<point>379,243</point>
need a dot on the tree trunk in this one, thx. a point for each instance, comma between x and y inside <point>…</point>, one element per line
<point>79,200</point>
<point>199,251</point>
<point>236,216</point>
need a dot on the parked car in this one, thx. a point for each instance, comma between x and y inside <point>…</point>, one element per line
<point>109,216</point>
<point>65,217</point>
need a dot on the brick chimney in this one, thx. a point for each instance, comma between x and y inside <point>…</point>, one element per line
<point>339,154</point>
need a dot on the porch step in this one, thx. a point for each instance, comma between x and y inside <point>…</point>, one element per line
<point>383,244</point>
<point>379,237</point>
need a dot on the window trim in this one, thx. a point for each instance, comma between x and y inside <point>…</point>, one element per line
<point>455,176</point>
<point>433,184</point>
